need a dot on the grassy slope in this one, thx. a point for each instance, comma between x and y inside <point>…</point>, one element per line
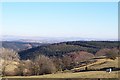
<point>101,63</point>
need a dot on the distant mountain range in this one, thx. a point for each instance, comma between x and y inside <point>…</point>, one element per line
<point>48,39</point>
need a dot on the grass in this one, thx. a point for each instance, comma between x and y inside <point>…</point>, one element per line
<point>100,63</point>
<point>89,74</point>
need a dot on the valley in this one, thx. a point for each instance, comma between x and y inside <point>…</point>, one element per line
<point>72,59</point>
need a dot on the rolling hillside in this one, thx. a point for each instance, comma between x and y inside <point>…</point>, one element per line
<point>63,48</point>
<point>19,46</point>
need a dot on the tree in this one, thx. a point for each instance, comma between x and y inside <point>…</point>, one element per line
<point>26,68</point>
<point>102,52</point>
<point>7,56</point>
<point>44,65</point>
<point>67,61</point>
<point>112,54</point>
<point>58,63</point>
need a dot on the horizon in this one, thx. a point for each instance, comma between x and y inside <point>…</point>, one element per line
<point>49,39</point>
<point>61,19</point>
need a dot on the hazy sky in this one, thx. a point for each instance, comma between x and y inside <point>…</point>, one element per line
<point>61,19</point>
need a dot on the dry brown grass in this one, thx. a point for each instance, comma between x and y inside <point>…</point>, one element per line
<point>100,63</point>
<point>90,74</point>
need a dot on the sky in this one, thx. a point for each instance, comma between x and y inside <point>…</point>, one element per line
<point>59,0</point>
<point>61,19</point>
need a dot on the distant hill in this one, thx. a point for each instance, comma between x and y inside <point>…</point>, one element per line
<point>19,46</point>
<point>63,48</point>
